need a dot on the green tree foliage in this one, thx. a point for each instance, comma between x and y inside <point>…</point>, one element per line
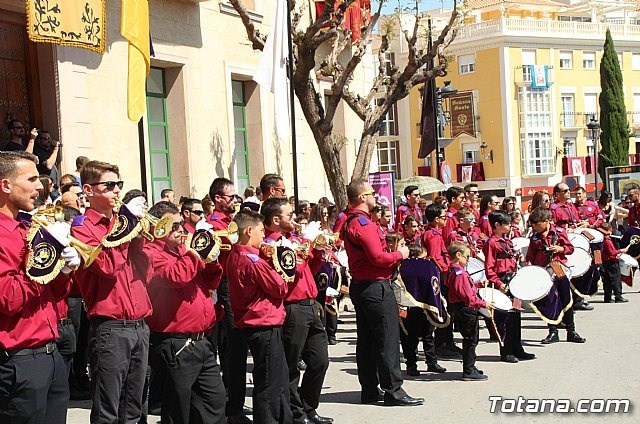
<point>613,114</point>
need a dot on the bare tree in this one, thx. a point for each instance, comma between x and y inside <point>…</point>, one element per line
<point>327,28</point>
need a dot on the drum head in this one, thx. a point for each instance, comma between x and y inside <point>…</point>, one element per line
<point>520,243</point>
<point>627,264</point>
<point>500,299</point>
<point>531,283</point>
<point>579,241</point>
<point>579,262</point>
<point>597,236</point>
<point>475,268</point>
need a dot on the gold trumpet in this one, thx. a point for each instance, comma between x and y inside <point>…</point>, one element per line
<point>161,226</point>
<point>55,213</point>
<point>231,234</point>
<point>326,241</point>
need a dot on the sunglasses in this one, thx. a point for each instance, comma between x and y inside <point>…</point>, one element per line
<point>369,193</point>
<point>471,219</point>
<point>109,185</point>
<point>197,212</point>
<point>177,226</point>
<point>474,192</point>
<point>495,203</point>
<point>567,190</point>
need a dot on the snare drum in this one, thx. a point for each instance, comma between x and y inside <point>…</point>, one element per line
<point>501,300</point>
<point>627,264</point>
<point>579,241</point>
<point>531,283</point>
<point>475,268</point>
<point>594,236</point>
<point>579,262</point>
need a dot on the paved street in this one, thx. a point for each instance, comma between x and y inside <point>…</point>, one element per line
<point>606,367</point>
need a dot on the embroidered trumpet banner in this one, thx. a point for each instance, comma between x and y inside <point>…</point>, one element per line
<point>72,23</point>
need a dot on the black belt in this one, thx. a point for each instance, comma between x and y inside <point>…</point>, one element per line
<point>96,321</point>
<point>193,336</point>
<point>370,281</point>
<point>65,321</point>
<point>49,348</point>
<point>303,302</point>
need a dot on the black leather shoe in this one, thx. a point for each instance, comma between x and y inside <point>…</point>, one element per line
<point>479,371</point>
<point>247,410</point>
<point>406,400</point>
<point>525,356</point>
<point>607,300</point>
<point>413,371</point>
<point>620,299</point>
<point>551,338</point>
<point>317,419</point>
<point>333,342</point>
<point>368,400</point>
<point>474,376</point>
<point>582,306</point>
<point>436,368</point>
<point>574,337</point>
<point>511,359</point>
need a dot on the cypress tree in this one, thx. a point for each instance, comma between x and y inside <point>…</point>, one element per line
<point>614,136</point>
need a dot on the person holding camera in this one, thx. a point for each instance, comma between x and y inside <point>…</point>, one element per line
<point>46,149</point>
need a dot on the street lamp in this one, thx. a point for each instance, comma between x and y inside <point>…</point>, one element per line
<point>594,127</point>
<point>483,152</point>
<point>442,120</point>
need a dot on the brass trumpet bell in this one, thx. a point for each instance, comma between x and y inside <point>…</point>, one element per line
<point>161,226</point>
<point>86,252</point>
<point>326,241</point>
<point>231,234</point>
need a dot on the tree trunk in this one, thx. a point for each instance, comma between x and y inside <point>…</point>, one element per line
<point>333,168</point>
<point>363,160</point>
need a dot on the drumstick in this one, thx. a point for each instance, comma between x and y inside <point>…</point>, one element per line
<point>493,322</point>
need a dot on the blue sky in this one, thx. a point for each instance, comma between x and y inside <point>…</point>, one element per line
<point>391,5</point>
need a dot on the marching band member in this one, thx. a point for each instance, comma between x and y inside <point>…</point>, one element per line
<point>634,210</point>
<point>385,219</point>
<point>611,279</point>
<point>412,193</point>
<point>180,288</point>
<point>191,212</point>
<point>465,302</point>
<point>33,378</point>
<point>564,212</point>
<point>455,197</point>
<point>471,193</point>
<point>588,210</point>
<point>231,343</point>
<point>500,266</point>
<point>516,227</point>
<point>434,244</point>
<point>411,230</point>
<point>113,288</point>
<point>372,266</point>
<point>465,231</point>
<point>489,203</point>
<point>550,244</point>
<point>258,291</point>
<point>304,335</point>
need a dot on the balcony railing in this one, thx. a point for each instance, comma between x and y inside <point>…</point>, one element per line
<point>545,28</point>
<point>572,120</point>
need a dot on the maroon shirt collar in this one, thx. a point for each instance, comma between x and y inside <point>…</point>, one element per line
<point>95,217</point>
<point>245,248</point>
<point>9,223</point>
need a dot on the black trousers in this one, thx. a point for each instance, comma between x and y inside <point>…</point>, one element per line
<point>78,316</point>
<point>377,347</point>
<point>33,389</point>
<point>66,344</point>
<point>513,337</point>
<point>270,376</point>
<point>304,337</point>
<point>192,391</point>
<point>567,320</point>
<point>418,328</point>
<point>232,349</point>
<point>118,352</point>
<point>467,321</point>
<point>611,279</point>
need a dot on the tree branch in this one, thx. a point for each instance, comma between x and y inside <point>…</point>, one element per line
<point>257,39</point>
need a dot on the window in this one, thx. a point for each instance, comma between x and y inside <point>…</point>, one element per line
<point>636,108</point>
<point>569,146</point>
<point>471,154</point>
<point>568,110</point>
<point>388,156</point>
<point>566,60</point>
<point>590,148</point>
<point>528,58</point>
<point>240,147</point>
<point>158,133</point>
<point>574,18</point>
<point>536,142</point>
<point>466,64</point>
<point>588,60</point>
<point>590,107</point>
<point>635,61</point>
<point>389,125</point>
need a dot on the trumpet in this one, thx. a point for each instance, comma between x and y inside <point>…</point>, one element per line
<point>161,226</point>
<point>231,234</point>
<point>326,241</point>
<point>55,213</point>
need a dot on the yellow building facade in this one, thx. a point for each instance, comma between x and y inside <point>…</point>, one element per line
<point>533,68</point>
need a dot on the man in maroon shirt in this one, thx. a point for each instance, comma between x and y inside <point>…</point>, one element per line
<point>304,335</point>
<point>471,193</point>
<point>488,203</point>
<point>231,343</point>
<point>634,211</point>
<point>33,378</point>
<point>114,291</point>
<point>180,290</point>
<point>455,197</point>
<point>588,210</point>
<point>611,279</point>
<point>564,212</point>
<point>258,292</point>
<point>192,213</point>
<point>272,185</point>
<point>465,231</point>
<point>372,267</point>
<point>411,208</point>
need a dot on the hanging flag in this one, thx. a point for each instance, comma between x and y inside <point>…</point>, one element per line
<point>70,23</point>
<point>271,73</point>
<point>540,76</point>
<point>428,127</point>
<point>135,28</point>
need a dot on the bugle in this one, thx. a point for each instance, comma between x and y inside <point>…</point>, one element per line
<point>231,234</point>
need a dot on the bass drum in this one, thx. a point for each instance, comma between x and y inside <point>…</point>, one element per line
<point>579,241</point>
<point>501,300</point>
<point>594,236</point>
<point>531,283</point>
<point>579,262</point>
<point>475,268</point>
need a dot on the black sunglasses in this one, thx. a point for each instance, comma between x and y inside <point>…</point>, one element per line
<point>110,185</point>
<point>197,212</point>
